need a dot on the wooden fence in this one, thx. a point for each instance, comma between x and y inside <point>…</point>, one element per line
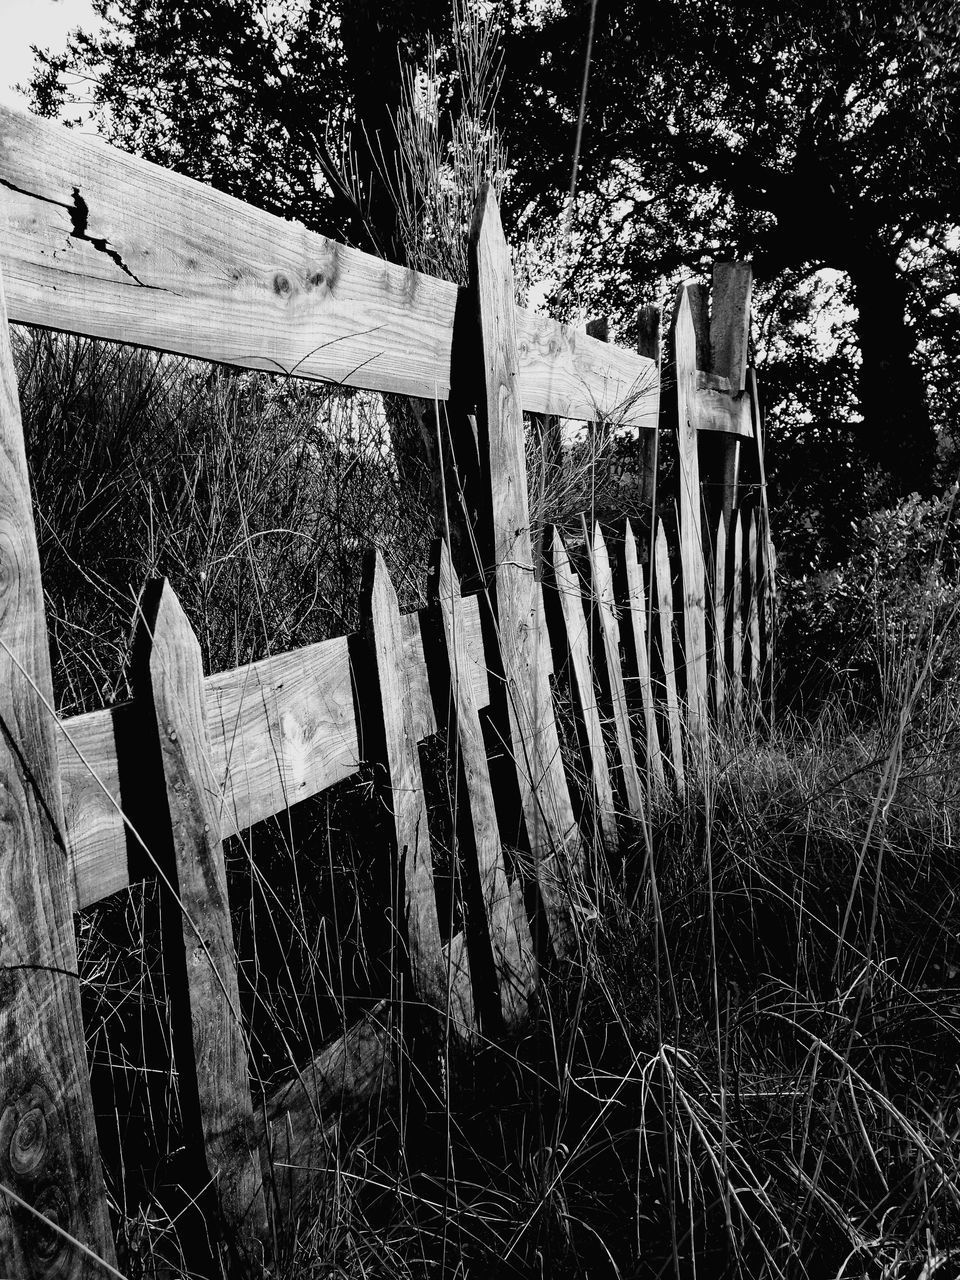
<point>96,242</point>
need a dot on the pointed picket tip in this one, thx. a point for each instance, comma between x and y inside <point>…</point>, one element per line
<point>442,581</point>
<point>558,550</point>
<point>486,224</point>
<point>377,587</point>
<point>163,621</point>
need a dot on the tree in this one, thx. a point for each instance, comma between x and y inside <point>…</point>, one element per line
<point>802,134</point>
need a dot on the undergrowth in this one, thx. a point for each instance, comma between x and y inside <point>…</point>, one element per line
<point>750,1067</point>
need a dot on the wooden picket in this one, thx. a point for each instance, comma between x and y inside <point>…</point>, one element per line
<point>577,651</point>
<point>736,616</point>
<point>209,1043</point>
<point>440,974</point>
<point>664,580</point>
<point>550,827</point>
<point>508,932</point>
<point>720,617</point>
<point>636,604</point>
<point>752,580</point>
<point>148,262</point>
<point>601,580</point>
<point>692,562</point>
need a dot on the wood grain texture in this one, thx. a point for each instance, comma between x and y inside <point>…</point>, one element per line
<point>729,344</point>
<point>736,615</point>
<point>281,730</point>
<point>48,1144</point>
<point>551,828</point>
<point>636,604</point>
<point>720,617</point>
<point>103,243</point>
<point>215,1059</point>
<point>693,567</point>
<point>718,410</point>
<point>730,321</point>
<point>90,780</point>
<point>665,613</point>
<point>343,1089</point>
<point>577,651</point>
<point>502,904</point>
<point>566,372</point>
<point>474,668</point>
<point>769,586</point>
<point>446,992</point>
<point>601,581</point>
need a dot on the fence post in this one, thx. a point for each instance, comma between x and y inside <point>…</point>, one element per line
<point>648,344</point>
<point>549,821</point>
<point>209,1041</point>
<point>693,565</point>
<point>49,1157</point>
<point>729,339</point>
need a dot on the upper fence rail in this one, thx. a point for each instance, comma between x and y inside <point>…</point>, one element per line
<point>101,243</point>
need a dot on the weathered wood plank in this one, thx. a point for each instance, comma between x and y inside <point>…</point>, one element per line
<point>209,1041</point>
<point>474,669</point>
<point>576,650</point>
<point>281,730</point>
<point>103,243</point>
<point>769,586</point>
<point>90,779</point>
<point>730,321</point>
<point>566,372</point>
<point>719,411</point>
<point>346,1086</point>
<point>502,904</point>
<point>736,615</point>
<point>637,609</point>
<point>729,343</point>
<point>440,976</point>
<point>648,344</point>
<point>548,813</point>
<point>665,613</point>
<point>752,585</point>
<point>693,566</point>
<point>720,617</point>
<point>48,1143</point>
<point>601,579</point>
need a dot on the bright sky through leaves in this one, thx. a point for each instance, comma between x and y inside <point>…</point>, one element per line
<point>41,22</point>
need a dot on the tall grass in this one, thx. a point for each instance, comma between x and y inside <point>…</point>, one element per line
<point>751,1067</point>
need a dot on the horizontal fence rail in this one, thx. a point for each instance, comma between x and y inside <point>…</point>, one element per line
<point>102,243</point>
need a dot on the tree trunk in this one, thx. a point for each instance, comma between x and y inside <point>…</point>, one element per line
<point>897,434</point>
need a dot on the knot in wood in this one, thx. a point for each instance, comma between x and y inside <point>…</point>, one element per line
<point>46,1247</point>
<point>26,1126</point>
<point>28,1143</point>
